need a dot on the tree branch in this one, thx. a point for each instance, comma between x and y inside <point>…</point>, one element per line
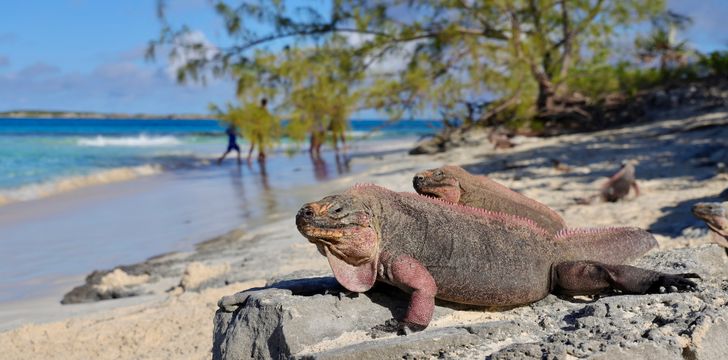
<point>568,42</point>
<point>593,12</point>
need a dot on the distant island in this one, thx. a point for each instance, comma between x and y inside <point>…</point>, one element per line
<point>44,114</point>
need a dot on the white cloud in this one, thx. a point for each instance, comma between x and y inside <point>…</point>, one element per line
<point>707,32</point>
<point>121,86</point>
<point>183,51</point>
<point>391,62</point>
<point>38,70</point>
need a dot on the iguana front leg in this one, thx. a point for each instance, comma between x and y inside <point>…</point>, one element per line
<point>410,275</point>
<point>591,277</point>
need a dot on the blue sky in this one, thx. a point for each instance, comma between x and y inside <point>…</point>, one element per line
<point>89,55</point>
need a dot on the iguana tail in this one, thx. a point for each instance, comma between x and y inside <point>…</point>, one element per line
<point>613,245</point>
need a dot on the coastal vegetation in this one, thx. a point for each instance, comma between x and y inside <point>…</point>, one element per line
<point>528,65</point>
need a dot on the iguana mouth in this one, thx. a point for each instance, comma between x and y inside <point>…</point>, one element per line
<point>431,194</point>
<point>439,191</point>
<point>330,243</point>
<point>706,210</point>
<point>326,236</point>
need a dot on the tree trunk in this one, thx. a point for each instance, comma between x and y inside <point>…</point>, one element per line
<point>546,92</point>
<point>545,100</point>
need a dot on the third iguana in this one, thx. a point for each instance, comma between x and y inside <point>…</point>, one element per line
<point>715,216</point>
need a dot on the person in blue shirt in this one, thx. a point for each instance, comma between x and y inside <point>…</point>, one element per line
<point>232,134</point>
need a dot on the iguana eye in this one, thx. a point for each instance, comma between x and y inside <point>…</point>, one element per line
<point>336,211</point>
<point>438,174</point>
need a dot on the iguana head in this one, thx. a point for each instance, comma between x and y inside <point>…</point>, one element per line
<point>441,183</point>
<point>341,227</point>
<point>715,216</point>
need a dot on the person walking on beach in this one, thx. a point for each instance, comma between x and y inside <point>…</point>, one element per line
<point>265,127</point>
<point>232,133</point>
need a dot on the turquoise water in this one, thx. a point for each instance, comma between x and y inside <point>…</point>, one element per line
<point>37,151</point>
<point>47,241</point>
<point>41,151</point>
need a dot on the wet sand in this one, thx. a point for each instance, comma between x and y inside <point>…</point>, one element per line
<point>72,233</point>
<point>677,168</point>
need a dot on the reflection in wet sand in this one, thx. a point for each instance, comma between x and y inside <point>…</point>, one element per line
<point>268,196</point>
<point>238,186</point>
<point>343,163</point>
<point>321,172</point>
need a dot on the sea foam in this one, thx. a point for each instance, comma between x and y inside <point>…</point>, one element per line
<point>35,191</point>
<point>135,141</point>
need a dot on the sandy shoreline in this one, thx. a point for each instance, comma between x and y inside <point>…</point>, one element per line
<point>97,227</point>
<point>676,170</point>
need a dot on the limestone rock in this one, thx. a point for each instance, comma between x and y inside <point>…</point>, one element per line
<point>315,318</point>
<point>197,273</point>
<point>109,284</point>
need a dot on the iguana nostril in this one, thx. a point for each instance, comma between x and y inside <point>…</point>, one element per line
<point>419,178</point>
<point>306,211</point>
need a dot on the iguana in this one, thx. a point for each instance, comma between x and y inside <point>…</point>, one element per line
<point>454,184</point>
<point>618,185</point>
<point>433,249</point>
<point>715,216</point>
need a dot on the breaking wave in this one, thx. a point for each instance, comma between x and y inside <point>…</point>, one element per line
<point>136,141</point>
<point>36,191</point>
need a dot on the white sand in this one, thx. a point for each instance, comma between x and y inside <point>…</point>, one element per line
<point>180,326</point>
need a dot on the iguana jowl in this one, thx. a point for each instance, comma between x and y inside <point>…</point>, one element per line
<point>433,249</point>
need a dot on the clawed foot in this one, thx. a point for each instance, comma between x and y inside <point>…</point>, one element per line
<point>675,283</point>
<point>394,326</point>
<point>232,302</point>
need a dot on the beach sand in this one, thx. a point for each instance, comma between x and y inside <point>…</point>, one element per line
<point>676,169</point>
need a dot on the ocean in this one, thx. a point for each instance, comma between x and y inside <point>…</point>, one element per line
<point>78,195</point>
<point>39,157</point>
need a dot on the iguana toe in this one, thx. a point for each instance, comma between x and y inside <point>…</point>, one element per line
<point>394,326</point>
<point>675,283</point>
<point>389,326</point>
<point>410,328</point>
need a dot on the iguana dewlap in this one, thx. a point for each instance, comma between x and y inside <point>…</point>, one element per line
<point>456,185</point>
<point>433,249</point>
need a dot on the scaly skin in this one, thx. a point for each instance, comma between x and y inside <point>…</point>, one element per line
<point>715,216</point>
<point>433,249</point>
<point>454,184</point>
<point>618,185</point>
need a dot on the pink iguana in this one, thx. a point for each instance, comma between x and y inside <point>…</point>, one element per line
<point>433,249</point>
<point>454,184</point>
<point>618,185</point>
<point>715,216</point>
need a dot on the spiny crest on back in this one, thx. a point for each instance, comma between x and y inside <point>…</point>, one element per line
<point>566,232</point>
<point>481,212</point>
<point>367,185</point>
<point>460,208</point>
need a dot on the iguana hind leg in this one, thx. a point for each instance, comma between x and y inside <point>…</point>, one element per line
<point>591,277</point>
